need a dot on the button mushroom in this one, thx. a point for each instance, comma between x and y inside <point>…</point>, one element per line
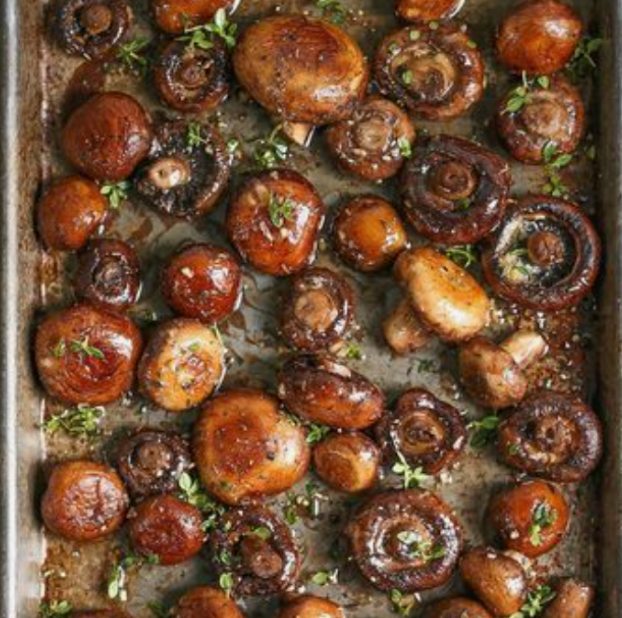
<point>206,602</point>
<point>405,540</point>
<point>187,172</point>
<point>454,191</point>
<point>573,599</point>
<point>318,310</point>
<point>307,606</point>
<point>264,557</point>
<point>432,69</point>
<point>539,36</point>
<point>403,330</point>
<point>493,374</point>
<point>177,16</point>
<point>456,607</point>
<point>545,255</point>
<point>428,10</point>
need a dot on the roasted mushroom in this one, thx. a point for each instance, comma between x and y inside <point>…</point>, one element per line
<point>322,390</point>
<point>456,607</point>
<point>206,602</point>
<point>454,191</point>
<point>191,79</point>
<point>423,430</point>
<point>427,10</point>
<point>300,69</point>
<point>107,137</point>
<point>204,282</point>
<point>274,220</point>
<point>182,364</point>
<point>435,70</point>
<point>531,518</point>
<point>493,374</point>
<point>318,310</point>
<point>87,355</point>
<point>446,298</point>
<point>405,540</point>
<point>498,580</point>
<point>374,141</point>
<point>573,599</point>
<point>246,448</point>
<point>539,37</point>
<point>264,559</point>
<point>69,212</point>
<point>84,501</point>
<point>308,606</point>
<point>545,255</point>
<point>151,461</point>
<point>549,118</point>
<point>101,613</point>
<point>166,527</point>
<point>347,461</point>
<point>91,28</point>
<point>554,436</point>
<point>108,274</point>
<point>368,233</point>
<point>177,16</point>
<point>187,171</point>
<point>404,331</point>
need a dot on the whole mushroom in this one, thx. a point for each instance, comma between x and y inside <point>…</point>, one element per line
<point>427,10</point>
<point>573,599</point>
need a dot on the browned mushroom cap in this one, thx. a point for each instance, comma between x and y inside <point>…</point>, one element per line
<point>368,233</point>
<point>424,430</point>
<point>545,255</point>
<point>108,274</point>
<point>555,436</point>
<point>192,79</point>
<point>308,606</point>
<point>434,70</point>
<point>531,518</point>
<point>69,212</point>
<point>274,221</point>
<point>264,557</point>
<point>317,310</point>
<point>497,580</point>
<point>90,28</point>
<point>151,461</point>
<point>322,390</point>
<point>539,36</point>
<point>108,136</point>
<point>87,355</point>
<point>84,501</point>
<point>374,141</point>
<point>301,69</point>
<point>347,461</point>
<point>176,16</point>
<point>453,190</point>
<point>404,331</point>
<point>427,10</point>
<point>456,607</point>
<point>405,540</point>
<point>206,602</point>
<point>100,613</point>
<point>445,297</point>
<point>573,599</point>
<point>493,374</point>
<point>551,115</point>
<point>246,448</point>
<point>182,364</point>
<point>187,172</point>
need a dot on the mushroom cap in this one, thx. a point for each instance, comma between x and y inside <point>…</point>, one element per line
<point>490,375</point>
<point>446,298</point>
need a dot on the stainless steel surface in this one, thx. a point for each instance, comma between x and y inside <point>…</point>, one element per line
<point>34,75</point>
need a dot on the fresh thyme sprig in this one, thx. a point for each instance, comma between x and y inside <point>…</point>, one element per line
<point>463,255</point>
<point>82,420</point>
<point>132,55</point>
<point>202,36</point>
<point>484,431</point>
<point>411,477</point>
<point>116,192</point>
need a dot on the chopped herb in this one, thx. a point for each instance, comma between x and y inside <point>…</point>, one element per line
<point>224,557</point>
<point>333,10</point>
<point>353,352</point>
<point>472,44</point>
<point>583,62</point>
<point>146,316</point>
<point>116,586</point>
<point>394,48</point>
<point>80,421</point>
<point>536,602</point>
<point>280,210</point>
<point>463,255</point>
<point>272,150</point>
<point>233,145</point>
<point>405,147</point>
<point>406,77</point>
<point>116,192</point>
<point>400,603</point>
<point>544,516</point>
<point>426,365</point>
<point>132,55</point>
<point>515,265</point>
<point>225,581</point>
<point>414,35</point>
<point>411,477</point>
<point>309,502</point>
<point>55,609</point>
<point>194,347</point>
<point>590,152</point>
<point>434,25</point>
<point>60,349</point>
<point>316,433</point>
<point>324,578</point>
<point>85,348</point>
<point>202,36</point>
<point>520,96</point>
<point>554,159</point>
<point>193,493</point>
<point>262,532</point>
<point>419,549</point>
<point>484,431</point>
<point>543,81</point>
<point>159,609</point>
<point>194,138</point>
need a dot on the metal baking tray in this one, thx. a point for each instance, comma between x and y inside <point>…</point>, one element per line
<point>33,75</point>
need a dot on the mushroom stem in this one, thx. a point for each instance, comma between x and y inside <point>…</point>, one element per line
<point>525,347</point>
<point>404,331</point>
<point>300,133</point>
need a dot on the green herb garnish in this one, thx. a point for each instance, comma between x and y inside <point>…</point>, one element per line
<point>536,602</point>
<point>80,421</point>
<point>280,210</point>
<point>463,255</point>
<point>411,477</point>
<point>316,433</point>
<point>202,36</point>
<point>116,192</point>
<point>419,549</point>
<point>401,603</point>
<point>544,516</point>
<point>333,10</point>
<point>272,150</point>
<point>85,348</point>
<point>484,431</point>
<point>55,609</point>
<point>132,55</point>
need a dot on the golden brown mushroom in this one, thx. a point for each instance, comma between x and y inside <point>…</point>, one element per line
<point>206,602</point>
<point>573,599</point>
<point>427,10</point>
<point>308,606</point>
